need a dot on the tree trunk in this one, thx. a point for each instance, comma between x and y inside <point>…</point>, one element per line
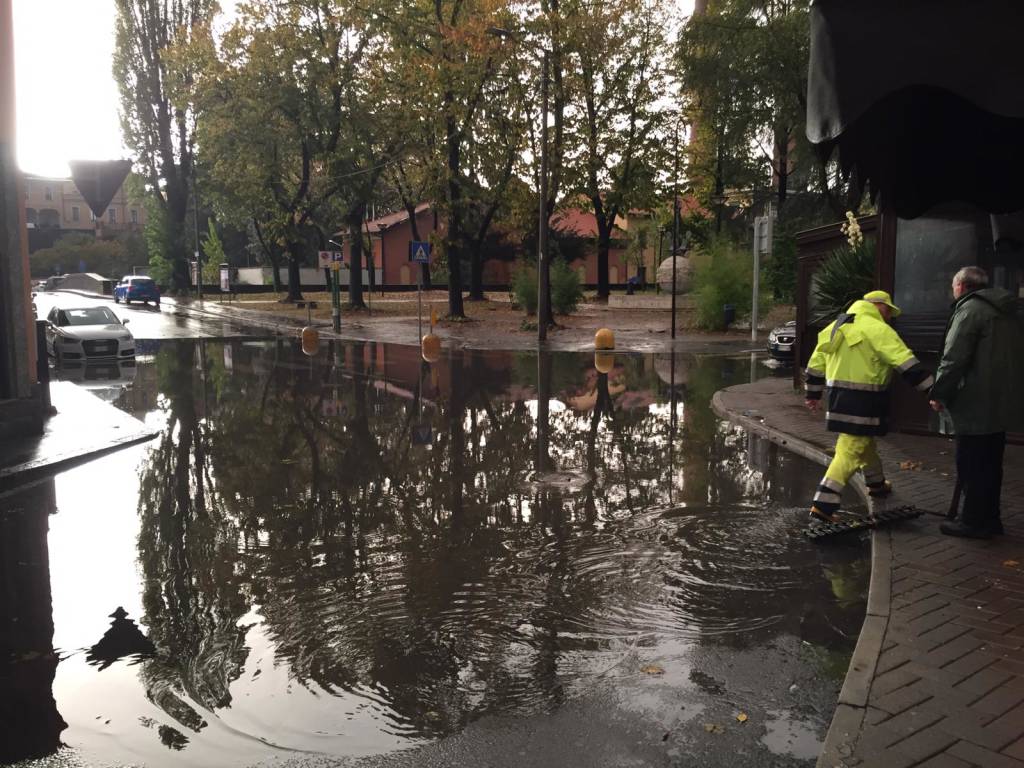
<point>604,238</point>
<point>453,236</point>
<point>275,274</point>
<point>294,277</point>
<point>355,278</point>
<point>782,164</point>
<point>176,211</point>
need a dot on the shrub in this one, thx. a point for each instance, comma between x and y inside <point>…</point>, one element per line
<point>524,288</point>
<point>566,292</point>
<point>847,274</point>
<point>722,275</point>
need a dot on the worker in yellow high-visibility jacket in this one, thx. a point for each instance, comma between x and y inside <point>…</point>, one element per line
<point>854,359</point>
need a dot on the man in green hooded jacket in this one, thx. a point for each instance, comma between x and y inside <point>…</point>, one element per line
<point>980,384</point>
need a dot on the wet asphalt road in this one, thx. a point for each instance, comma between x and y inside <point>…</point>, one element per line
<point>146,321</point>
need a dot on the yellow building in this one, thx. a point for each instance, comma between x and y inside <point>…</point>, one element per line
<point>56,204</point>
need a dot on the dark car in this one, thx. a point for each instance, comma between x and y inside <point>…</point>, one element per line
<point>136,288</point>
<point>781,340</point>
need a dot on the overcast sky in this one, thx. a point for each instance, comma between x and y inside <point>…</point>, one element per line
<point>67,98</point>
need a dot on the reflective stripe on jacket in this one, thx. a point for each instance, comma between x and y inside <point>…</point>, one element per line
<point>855,357</point>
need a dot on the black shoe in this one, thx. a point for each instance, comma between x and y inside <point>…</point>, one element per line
<point>881,490</point>
<point>965,532</point>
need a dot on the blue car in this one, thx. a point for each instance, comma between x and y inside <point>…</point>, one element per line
<point>136,288</point>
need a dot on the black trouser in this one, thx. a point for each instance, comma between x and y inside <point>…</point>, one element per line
<point>979,465</point>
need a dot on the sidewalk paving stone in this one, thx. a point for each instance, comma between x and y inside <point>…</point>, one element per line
<point>947,689</point>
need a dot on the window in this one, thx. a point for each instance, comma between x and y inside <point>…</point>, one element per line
<point>48,194</point>
<point>92,216</point>
<point>75,213</point>
<point>135,216</point>
<point>112,216</point>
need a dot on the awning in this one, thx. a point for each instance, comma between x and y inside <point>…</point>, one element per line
<point>924,99</point>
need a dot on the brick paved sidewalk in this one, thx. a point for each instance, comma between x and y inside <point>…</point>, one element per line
<point>937,678</point>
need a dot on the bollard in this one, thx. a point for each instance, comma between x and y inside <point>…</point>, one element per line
<point>604,362</point>
<point>431,348</point>
<point>310,341</point>
<point>604,339</point>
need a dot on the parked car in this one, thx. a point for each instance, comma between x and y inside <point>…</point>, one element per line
<point>781,340</point>
<point>136,288</point>
<point>87,334</point>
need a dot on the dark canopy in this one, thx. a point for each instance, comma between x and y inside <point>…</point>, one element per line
<point>923,98</point>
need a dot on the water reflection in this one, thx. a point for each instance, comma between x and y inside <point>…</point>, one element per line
<point>391,548</point>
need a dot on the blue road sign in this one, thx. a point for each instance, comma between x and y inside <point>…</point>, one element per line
<point>419,252</point>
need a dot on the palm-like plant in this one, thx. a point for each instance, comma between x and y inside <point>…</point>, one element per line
<point>847,274</point>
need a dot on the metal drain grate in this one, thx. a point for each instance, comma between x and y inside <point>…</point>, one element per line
<point>819,530</point>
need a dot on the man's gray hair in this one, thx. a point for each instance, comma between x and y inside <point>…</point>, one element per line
<point>971,278</point>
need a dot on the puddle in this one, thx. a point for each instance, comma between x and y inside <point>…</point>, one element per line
<point>360,553</point>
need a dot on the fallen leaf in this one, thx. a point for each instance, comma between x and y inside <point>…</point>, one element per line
<point>914,466</point>
<point>742,717</point>
<point>713,728</point>
<point>1011,563</point>
<point>653,669</point>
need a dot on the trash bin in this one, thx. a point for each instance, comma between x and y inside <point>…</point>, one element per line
<point>729,314</point>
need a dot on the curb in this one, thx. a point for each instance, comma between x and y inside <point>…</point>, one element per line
<point>844,730</point>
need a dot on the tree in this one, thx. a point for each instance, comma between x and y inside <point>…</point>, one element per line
<point>617,118</point>
<point>442,59</point>
<point>213,250</point>
<point>492,157</point>
<point>289,132</point>
<point>743,65</point>
<point>160,132</point>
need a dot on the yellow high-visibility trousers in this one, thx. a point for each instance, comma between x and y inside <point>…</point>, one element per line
<point>853,453</point>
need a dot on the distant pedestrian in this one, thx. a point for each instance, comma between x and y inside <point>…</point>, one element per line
<point>854,358</point>
<point>980,383</point>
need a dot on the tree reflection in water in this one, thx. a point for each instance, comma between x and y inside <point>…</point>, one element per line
<point>550,519</point>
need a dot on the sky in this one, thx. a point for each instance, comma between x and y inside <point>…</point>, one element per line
<point>67,98</point>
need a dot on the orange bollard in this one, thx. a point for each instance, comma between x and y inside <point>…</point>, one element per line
<point>430,347</point>
<point>604,339</point>
<point>310,340</point>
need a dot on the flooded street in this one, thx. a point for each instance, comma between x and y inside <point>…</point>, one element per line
<point>360,558</point>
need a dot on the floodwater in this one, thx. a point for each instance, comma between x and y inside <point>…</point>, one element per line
<point>361,558</point>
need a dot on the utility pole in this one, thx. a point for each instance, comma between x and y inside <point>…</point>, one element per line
<point>543,311</point>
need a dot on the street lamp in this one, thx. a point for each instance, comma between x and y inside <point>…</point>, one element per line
<point>543,276</point>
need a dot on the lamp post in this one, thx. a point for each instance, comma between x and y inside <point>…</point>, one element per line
<point>195,204</point>
<point>543,276</point>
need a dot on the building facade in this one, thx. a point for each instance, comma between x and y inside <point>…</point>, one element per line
<point>54,207</point>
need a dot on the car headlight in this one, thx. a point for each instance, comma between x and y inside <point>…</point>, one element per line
<point>125,338</point>
<point>772,337</point>
<point>68,340</point>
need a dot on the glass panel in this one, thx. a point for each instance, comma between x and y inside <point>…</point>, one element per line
<point>929,251</point>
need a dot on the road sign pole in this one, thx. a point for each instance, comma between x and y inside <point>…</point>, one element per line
<point>756,278</point>
<point>419,301</point>
<point>336,296</point>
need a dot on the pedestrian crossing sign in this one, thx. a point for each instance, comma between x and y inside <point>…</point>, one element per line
<point>419,252</point>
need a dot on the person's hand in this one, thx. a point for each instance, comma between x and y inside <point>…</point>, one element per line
<point>812,405</point>
<point>936,406</point>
